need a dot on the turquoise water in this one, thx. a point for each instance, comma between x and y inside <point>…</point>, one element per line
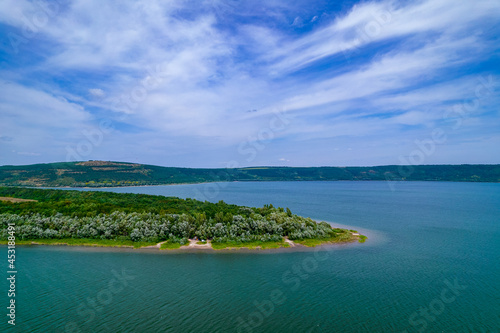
<point>431,264</point>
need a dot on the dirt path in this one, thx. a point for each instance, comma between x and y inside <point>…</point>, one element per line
<point>192,244</point>
<point>292,244</point>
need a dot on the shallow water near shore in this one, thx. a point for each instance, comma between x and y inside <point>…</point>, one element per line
<point>426,239</point>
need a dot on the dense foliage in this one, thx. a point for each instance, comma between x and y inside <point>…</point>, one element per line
<point>59,214</point>
<point>99,173</point>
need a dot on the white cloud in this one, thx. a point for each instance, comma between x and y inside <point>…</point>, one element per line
<point>298,22</point>
<point>412,118</point>
<point>96,92</point>
<point>38,122</point>
<point>395,70</point>
<point>28,153</point>
<point>32,107</point>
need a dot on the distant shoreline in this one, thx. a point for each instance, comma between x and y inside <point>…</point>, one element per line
<point>249,181</point>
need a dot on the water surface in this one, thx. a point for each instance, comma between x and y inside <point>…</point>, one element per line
<point>433,247</point>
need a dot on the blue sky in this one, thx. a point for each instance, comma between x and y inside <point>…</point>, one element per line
<point>224,83</point>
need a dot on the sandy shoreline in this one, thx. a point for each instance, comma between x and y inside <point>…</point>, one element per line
<point>194,247</point>
<point>188,250</point>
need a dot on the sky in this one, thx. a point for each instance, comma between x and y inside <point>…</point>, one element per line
<point>226,83</point>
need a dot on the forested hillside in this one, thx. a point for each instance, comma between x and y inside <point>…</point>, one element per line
<point>105,174</point>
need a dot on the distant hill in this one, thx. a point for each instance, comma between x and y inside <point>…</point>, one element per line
<point>105,174</point>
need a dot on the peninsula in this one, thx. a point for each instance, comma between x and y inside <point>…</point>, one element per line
<point>47,216</point>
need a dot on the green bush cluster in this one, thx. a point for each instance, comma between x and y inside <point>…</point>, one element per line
<point>149,227</point>
<point>144,218</point>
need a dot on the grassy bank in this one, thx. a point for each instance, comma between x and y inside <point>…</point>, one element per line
<point>344,237</point>
<point>83,242</point>
<point>168,245</point>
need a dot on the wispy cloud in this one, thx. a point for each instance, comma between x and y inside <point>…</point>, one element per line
<point>372,22</point>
